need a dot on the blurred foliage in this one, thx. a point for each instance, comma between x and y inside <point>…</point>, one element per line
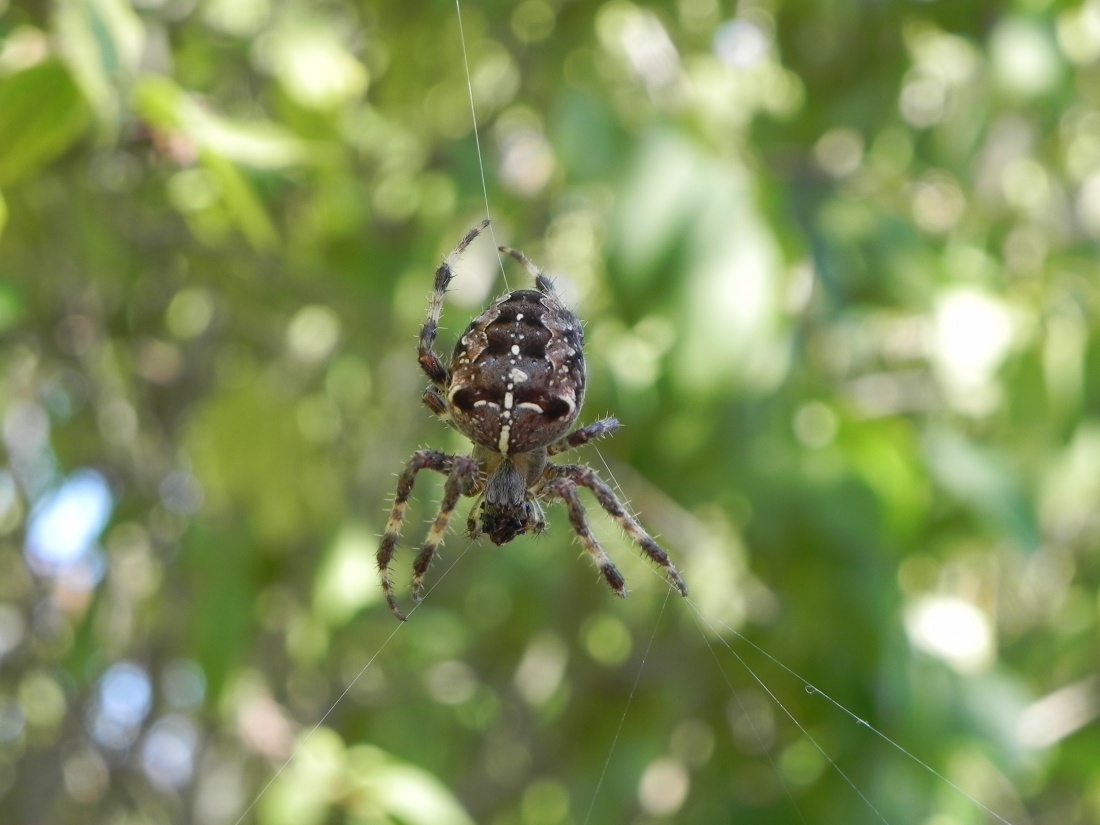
<point>837,262</point>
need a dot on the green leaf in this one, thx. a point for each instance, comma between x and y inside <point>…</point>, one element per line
<point>44,115</point>
<point>13,307</point>
<point>102,40</point>
<point>242,203</point>
<point>224,145</point>
<point>258,144</point>
<point>284,493</point>
<point>338,592</point>
<point>983,478</point>
<point>407,793</point>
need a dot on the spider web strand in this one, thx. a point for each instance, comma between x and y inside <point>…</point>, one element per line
<point>813,690</point>
<point>355,679</point>
<point>477,138</point>
<point>699,620</point>
<point>626,710</point>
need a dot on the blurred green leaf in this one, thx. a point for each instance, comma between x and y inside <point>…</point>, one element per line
<point>12,302</point>
<point>982,478</point>
<point>342,587</point>
<point>242,202</point>
<point>220,628</point>
<point>305,792</point>
<point>102,40</point>
<point>250,453</point>
<point>43,115</point>
<point>221,145</point>
<point>259,144</point>
<point>405,793</point>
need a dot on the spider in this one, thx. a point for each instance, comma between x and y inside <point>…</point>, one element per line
<point>514,387</point>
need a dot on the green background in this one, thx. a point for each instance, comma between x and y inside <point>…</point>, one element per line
<point>837,265</point>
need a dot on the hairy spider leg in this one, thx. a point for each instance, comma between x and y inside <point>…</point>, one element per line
<point>583,476</point>
<point>421,460</point>
<point>462,478</point>
<point>473,528</point>
<point>430,362</point>
<point>566,490</point>
<point>433,399</point>
<point>578,438</point>
<point>542,283</point>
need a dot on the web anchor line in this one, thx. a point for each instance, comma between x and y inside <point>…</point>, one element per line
<point>813,690</point>
<point>477,140</point>
<point>626,709</point>
<point>354,680</point>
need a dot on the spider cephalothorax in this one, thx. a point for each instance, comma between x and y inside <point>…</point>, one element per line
<point>514,387</point>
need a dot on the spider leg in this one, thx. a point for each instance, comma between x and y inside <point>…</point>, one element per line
<point>542,283</point>
<point>473,521</point>
<point>462,477</point>
<point>433,399</point>
<point>421,460</point>
<point>566,490</point>
<point>599,429</point>
<point>430,362</point>
<point>583,476</point>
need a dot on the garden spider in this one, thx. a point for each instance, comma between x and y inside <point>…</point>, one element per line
<point>514,388</point>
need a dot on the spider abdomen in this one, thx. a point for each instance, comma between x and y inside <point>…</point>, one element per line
<point>518,374</point>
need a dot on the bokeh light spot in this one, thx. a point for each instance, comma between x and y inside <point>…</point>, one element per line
<point>123,700</point>
<point>607,639</point>
<point>663,787</point>
<point>952,630</point>
<point>839,151</point>
<point>313,333</point>
<point>168,752</point>
<point>971,338</point>
<point>181,493</point>
<point>815,424</point>
<point>66,524</point>
<point>545,802</point>
<point>923,100</point>
<point>190,312</point>
<point>938,202</point>
<point>452,682</point>
<point>42,700</point>
<point>741,44</point>
<point>86,775</point>
<point>692,742</point>
<point>1088,205</point>
<point>801,763</point>
<point>533,20</point>
<point>541,669</point>
<point>1024,58</point>
<point>183,684</point>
